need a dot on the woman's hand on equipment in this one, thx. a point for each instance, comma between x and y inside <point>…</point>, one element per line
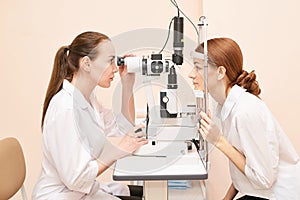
<point>127,79</point>
<point>133,140</point>
<point>208,129</point>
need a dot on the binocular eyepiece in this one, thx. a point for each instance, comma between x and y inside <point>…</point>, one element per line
<point>149,67</point>
<point>120,61</point>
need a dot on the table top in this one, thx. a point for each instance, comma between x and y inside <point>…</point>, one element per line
<point>170,161</point>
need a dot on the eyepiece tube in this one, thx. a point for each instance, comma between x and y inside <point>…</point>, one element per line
<point>134,64</point>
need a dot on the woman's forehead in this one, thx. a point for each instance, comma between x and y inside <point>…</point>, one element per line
<point>198,61</point>
<point>106,48</point>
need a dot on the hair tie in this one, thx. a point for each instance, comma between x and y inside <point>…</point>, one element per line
<point>67,50</point>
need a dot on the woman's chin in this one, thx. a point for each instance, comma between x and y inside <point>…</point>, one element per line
<point>105,85</point>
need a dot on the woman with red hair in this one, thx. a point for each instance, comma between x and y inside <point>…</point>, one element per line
<point>263,163</point>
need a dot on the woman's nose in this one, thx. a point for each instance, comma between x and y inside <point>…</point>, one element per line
<point>192,74</point>
<point>115,68</point>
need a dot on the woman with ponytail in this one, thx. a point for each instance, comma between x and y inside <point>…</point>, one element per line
<point>75,124</point>
<point>263,163</point>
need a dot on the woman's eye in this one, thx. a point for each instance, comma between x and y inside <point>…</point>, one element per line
<point>198,68</point>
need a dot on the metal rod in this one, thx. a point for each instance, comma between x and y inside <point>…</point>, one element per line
<point>203,30</point>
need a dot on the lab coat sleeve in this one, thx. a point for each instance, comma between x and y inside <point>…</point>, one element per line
<point>115,125</point>
<point>260,146</point>
<point>110,153</point>
<point>72,160</point>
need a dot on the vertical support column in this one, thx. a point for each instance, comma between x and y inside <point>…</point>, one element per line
<point>156,190</point>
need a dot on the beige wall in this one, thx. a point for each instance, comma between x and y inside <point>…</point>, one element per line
<point>268,33</point>
<point>32,31</point>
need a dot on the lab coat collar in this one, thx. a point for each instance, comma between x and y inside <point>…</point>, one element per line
<point>76,94</point>
<point>233,96</point>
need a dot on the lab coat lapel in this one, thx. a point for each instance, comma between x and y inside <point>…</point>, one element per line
<point>233,96</point>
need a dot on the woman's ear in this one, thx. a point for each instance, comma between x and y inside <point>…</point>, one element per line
<point>221,72</point>
<point>85,63</point>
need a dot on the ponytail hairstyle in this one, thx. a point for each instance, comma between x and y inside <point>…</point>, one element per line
<point>226,52</point>
<point>66,62</point>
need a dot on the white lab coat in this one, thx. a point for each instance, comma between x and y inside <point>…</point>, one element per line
<point>73,136</point>
<point>272,164</point>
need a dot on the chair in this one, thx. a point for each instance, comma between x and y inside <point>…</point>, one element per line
<point>12,168</point>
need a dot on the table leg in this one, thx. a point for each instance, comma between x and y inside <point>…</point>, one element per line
<point>156,190</point>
